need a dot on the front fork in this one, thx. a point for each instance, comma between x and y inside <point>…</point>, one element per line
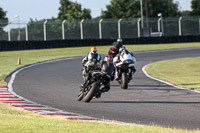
<point>131,72</point>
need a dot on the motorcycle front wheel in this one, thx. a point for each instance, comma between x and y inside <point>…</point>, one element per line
<point>91,92</point>
<point>124,80</point>
<point>80,96</point>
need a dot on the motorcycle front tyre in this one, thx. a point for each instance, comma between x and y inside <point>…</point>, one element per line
<point>80,96</point>
<point>93,90</point>
<point>124,81</point>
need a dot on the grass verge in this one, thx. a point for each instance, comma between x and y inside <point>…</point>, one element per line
<point>181,72</point>
<point>14,120</point>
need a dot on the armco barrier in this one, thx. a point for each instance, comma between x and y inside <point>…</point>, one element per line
<point>28,45</point>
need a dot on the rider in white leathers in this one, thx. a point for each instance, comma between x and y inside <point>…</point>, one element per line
<point>117,60</point>
<point>89,63</point>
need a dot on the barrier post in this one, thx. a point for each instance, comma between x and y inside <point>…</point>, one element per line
<point>100,30</point>
<point>81,28</point>
<point>26,31</point>
<point>119,28</point>
<point>199,26</point>
<point>138,25</point>
<point>9,37</point>
<point>179,25</point>
<point>159,24</point>
<point>45,34</point>
<point>63,29</point>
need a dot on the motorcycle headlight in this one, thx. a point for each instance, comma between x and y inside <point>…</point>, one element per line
<point>128,61</point>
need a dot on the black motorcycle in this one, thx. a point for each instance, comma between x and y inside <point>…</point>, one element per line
<point>97,81</point>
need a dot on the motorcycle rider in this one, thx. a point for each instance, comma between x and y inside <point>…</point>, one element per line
<point>117,60</point>
<point>113,51</point>
<point>89,63</point>
<point>107,67</point>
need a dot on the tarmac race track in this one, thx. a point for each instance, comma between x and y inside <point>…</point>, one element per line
<point>145,102</point>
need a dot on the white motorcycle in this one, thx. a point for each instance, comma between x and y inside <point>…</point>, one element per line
<point>125,68</point>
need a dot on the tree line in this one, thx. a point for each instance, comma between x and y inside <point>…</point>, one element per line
<point>69,10</point>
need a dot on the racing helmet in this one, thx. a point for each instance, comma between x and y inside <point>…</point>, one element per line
<point>118,43</point>
<point>119,40</point>
<point>93,49</point>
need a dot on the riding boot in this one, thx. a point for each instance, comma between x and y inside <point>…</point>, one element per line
<point>106,88</point>
<point>116,74</point>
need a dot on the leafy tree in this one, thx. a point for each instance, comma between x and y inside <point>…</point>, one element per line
<point>72,10</point>
<point>3,22</point>
<point>185,13</point>
<point>3,14</point>
<point>168,8</point>
<point>122,9</point>
<point>131,8</point>
<point>195,5</point>
<point>73,13</point>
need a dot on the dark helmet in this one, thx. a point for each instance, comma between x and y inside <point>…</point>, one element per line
<point>118,43</point>
<point>119,40</point>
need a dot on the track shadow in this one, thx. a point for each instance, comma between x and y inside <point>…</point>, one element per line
<point>150,87</point>
<point>148,102</point>
<point>144,86</point>
<point>154,89</point>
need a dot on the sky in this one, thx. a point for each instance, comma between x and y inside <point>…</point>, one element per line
<point>44,9</point>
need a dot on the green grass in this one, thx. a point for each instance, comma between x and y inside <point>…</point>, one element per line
<point>181,72</point>
<point>14,120</point>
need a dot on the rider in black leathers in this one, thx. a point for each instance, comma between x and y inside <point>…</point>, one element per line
<point>113,51</point>
<point>108,68</point>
